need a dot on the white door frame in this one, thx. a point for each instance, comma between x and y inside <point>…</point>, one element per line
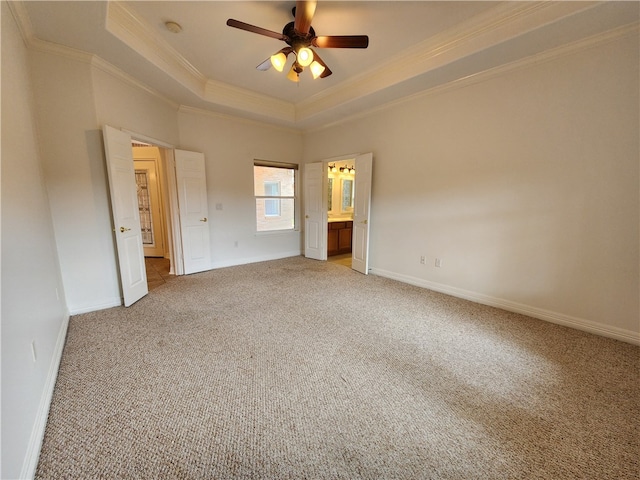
<point>172,212</point>
<point>325,164</point>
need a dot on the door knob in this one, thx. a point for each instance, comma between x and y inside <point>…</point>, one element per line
<point>306,216</point>
<point>203,219</point>
<point>123,229</point>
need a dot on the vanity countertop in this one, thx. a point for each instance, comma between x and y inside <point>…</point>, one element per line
<point>346,219</point>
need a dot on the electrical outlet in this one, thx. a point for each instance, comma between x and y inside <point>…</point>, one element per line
<point>422,260</point>
<point>438,262</point>
<point>235,244</point>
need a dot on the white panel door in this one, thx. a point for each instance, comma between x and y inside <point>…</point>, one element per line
<point>126,216</point>
<point>361,213</point>
<point>315,212</point>
<point>194,211</point>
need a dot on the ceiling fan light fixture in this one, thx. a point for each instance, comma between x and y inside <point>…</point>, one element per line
<point>278,60</point>
<point>316,69</point>
<point>299,35</point>
<point>305,56</point>
<point>294,74</point>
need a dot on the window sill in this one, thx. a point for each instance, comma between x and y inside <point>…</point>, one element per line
<point>277,232</point>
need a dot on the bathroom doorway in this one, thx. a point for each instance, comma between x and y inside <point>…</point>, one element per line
<point>340,201</point>
<point>348,198</point>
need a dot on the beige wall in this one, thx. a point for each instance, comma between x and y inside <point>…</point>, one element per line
<point>126,106</point>
<point>524,184</point>
<point>74,100</point>
<point>230,147</point>
<point>73,160</point>
<point>33,306</point>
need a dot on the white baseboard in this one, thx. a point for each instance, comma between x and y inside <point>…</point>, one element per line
<point>110,303</point>
<point>30,463</point>
<point>549,316</point>
<point>262,258</point>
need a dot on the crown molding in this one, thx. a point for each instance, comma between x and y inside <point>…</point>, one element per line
<point>114,71</point>
<point>494,26</point>
<point>141,37</point>
<point>223,94</point>
<point>60,50</point>
<point>233,118</point>
<point>490,28</point>
<point>593,41</point>
<point>95,61</point>
<point>138,35</point>
<point>21,17</point>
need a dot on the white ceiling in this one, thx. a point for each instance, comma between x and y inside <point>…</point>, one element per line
<point>413,46</point>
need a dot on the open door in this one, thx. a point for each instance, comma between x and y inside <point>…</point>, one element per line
<point>361,213</point>
<point>315,212</point>
<point>126,216</point>
<point>194,210</point>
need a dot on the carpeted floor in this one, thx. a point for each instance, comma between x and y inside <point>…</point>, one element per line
<point>298,369</point>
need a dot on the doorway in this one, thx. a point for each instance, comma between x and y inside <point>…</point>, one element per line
<point>186,211</point>
<point>332,186</point>
<point>150,179</point>
<point>150,175</point>
<point>340,201</point>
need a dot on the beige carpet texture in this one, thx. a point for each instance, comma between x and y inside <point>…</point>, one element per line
<point>299,369</point>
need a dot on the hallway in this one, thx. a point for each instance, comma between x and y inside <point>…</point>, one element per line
<point>157,271</point>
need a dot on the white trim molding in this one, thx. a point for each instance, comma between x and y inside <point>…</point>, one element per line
<point>136,33</point>
<point>32,456</point>
<point>596,328</point>
<point>497,25</point>
<point>259,258</point>
<point>482,76</point>
<point>108,303</point>
<point>234,118</point>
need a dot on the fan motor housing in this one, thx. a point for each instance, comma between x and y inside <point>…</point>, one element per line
<point>295,39</point>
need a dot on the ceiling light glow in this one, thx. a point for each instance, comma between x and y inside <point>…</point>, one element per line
<point>305,56</point>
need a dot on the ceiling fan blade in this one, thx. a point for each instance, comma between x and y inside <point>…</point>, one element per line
<point>304,14</point>
<point>252,28</point>
<point>327,70</point>
<point>341,41</point>
<point>266,65</point>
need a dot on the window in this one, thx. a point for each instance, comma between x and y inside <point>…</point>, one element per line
<point>144,206</point>
<point>275,193</point>
<point>272,205</point>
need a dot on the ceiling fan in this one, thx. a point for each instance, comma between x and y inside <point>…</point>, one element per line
<point>300,36</point>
